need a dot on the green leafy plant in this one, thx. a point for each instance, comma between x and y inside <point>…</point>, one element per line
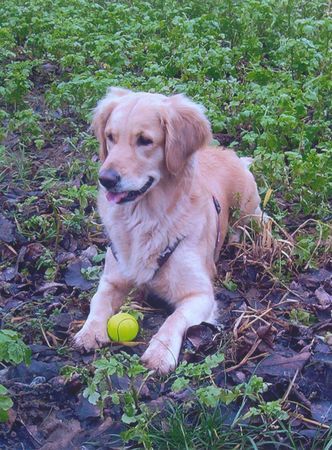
<point>230,285</point>
<point>188,371</point>
<point>12,348</point>
<point>5,403</point>
<point>305,247</point>
<point>12,351</point>
<point>27,123</point>
<point>46,261</point>
<point>100,387</point>
<point>103,389</point>
<point>92,273</point>
<point>212,395</point>
<point>269,410</point>
<point>302,317</point>
<point>40,227</point>
<point>82,195</point>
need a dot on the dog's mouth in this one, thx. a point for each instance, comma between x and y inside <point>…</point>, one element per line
<point>128,196</point>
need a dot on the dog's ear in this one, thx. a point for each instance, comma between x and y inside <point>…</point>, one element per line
<point>186,130</point>
<point>101,114</point>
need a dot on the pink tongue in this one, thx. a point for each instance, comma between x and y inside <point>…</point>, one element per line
<point>115,196</point>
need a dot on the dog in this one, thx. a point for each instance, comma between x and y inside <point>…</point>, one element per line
<point>165,198</point>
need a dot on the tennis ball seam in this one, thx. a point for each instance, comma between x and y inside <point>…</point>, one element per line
<point>118,326</point>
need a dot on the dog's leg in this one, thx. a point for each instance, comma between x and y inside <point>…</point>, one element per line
<point>194,306</point>
<point>163,351</point>
<point>107,300</point>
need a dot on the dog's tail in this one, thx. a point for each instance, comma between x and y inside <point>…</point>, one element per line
<point>246,162</point>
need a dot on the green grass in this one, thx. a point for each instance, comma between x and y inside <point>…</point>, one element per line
<point>202,429</point>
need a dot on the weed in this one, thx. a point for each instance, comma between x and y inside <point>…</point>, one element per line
<point>12,351</point>
<point>27,124</point>
<point>40,227</point>
<point>82,195</point>
<point>100,387</point>
<point>12,348</point>
<point>46,261</point>
<point>5,403</point>
<point>230,285</point>
<point>270,410</point>
<point>92,273</point>
<point>302,317</point>
<point>144,423</point>
<point>267,86</point>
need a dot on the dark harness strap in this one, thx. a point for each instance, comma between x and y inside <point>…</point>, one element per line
<point>165,254</point>
<point>218,238</point>
<point>163,257</point>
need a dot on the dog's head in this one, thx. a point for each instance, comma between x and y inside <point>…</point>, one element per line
<point>144,137</point>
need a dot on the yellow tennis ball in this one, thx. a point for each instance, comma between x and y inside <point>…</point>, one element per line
<point>122,327</point>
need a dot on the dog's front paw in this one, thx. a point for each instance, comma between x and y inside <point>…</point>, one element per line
<point>93,335</point>
<point>159,356</point>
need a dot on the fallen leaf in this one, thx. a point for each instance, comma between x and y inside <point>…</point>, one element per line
<point>62,435</point>
<point>8,274</point>
<point>322,411</point>
<point>323,297</point>
<point>74,277</point>
<point>267,334</point>
<point>85,410</point>
<point>201,335</point>
<point>90,252</point>
<point>315,278</point>
<point>279,365</point>
<point>34,251</point>
<point>51,285</point>
<point>6,230</point>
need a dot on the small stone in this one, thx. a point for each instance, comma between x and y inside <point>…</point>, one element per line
<point>90,252</point>
<point>8,274</point>
<point>6,230</point>
<point>37,380</point>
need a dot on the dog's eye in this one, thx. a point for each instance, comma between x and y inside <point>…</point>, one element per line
<point>110,137</point>
<point>143,141</point>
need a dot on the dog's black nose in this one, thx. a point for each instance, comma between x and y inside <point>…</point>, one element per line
<point>109,178</point>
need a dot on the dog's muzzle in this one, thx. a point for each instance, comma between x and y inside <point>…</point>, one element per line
<point>127,196</point>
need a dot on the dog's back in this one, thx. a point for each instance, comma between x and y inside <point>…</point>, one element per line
<point>228,178</point>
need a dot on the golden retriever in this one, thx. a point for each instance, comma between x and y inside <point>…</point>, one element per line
<point>164,198</point>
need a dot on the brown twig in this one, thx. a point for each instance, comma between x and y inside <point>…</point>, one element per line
<point>311,421</point>
<point>290,386</point>
<point>245,359</point>
<point>44,335</point>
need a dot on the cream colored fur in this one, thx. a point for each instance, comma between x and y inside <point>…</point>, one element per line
<point>187,174</point>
